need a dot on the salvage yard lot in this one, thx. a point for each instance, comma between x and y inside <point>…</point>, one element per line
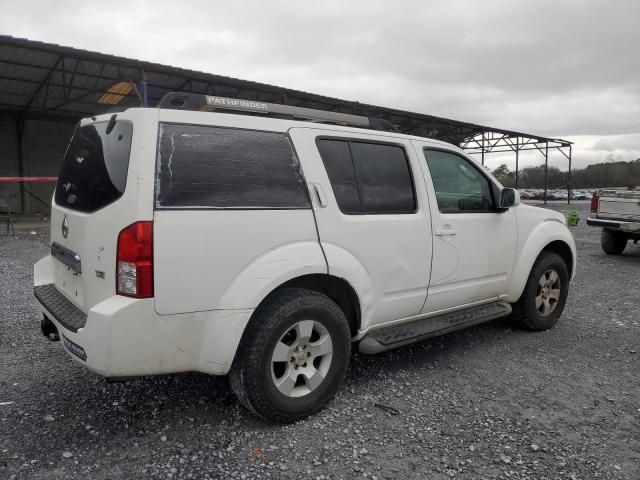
<point>489,402</point>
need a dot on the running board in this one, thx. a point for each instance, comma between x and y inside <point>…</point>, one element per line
<point>398,335</point>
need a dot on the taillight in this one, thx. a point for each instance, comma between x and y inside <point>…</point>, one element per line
<point>594,203</point>
<point>134,261</point>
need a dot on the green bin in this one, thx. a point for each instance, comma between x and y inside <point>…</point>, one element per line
<point>573,218</point>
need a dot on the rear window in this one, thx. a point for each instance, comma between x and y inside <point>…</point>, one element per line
<point>213,167</point>
<point>94,170</point>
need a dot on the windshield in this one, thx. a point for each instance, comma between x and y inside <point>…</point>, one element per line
<point>94,170</point>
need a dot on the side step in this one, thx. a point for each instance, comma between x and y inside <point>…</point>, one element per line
<point>398,335</point>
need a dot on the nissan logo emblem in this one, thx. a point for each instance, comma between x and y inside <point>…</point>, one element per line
<point>65,227</point>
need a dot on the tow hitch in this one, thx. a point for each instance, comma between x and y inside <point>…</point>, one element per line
<point>49,330</point>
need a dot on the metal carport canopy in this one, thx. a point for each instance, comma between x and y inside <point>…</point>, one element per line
<point>48,81</point>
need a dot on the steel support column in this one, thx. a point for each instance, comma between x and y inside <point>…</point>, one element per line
<point>483,149</point>
<point>546,170</point>
<point>145,95</point>
<point>569,179</point>
<point>517,154</point>
<point>19,137</point>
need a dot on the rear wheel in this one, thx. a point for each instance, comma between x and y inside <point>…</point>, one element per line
<point>545,293</point>
<point>294,356</point>
<point>613,241</point>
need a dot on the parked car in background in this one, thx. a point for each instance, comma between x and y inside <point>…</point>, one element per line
<point>538,194</point>
<point>580,195</point>
<point>555,195</point>
<point>526,195</point>
<point>617,212</point>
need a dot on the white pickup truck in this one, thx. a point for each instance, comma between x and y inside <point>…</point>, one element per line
<point>618,213</point>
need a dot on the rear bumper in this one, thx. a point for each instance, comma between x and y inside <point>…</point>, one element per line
<point>61,309</point>
<point>629,227</point>
<point>597,222</point>
<point>125,337</point>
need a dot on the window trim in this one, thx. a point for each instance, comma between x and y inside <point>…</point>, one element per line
<point>286,134</point>
<point>492,185</point>
<point>348,141</point>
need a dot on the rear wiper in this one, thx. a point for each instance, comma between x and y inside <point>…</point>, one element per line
<point>111,124</point>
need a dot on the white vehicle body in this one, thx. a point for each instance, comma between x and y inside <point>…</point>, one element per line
<point>212,267</point>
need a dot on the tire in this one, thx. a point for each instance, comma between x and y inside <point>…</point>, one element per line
<point>545,293</point>
<point>613,242</point>
<point>309,377</point>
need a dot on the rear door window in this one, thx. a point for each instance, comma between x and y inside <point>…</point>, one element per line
<point>213,167</point>
<point>384,178</point>
<point>95,166</point>
<point>368,178</point>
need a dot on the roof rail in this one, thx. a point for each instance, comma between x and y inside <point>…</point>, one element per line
<point>209,103</point>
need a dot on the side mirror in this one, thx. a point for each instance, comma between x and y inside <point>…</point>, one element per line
<point>509,197</point>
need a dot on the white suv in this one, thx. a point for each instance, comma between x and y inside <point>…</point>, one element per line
<point>188,240</point>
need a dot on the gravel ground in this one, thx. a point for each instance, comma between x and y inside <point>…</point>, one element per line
<point>485,403</point>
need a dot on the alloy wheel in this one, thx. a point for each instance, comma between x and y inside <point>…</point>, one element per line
<point>548,293</point>
<point>301,358</point>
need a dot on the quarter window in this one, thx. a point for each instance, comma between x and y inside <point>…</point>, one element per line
<point>211,167</point>
<point>371,178</point>
<point>459,186</point>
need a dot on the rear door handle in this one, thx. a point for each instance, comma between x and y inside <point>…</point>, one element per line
<point>446,230</point>
<point>320,196</point>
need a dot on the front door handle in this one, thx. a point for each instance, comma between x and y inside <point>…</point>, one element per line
<point>446,230</point>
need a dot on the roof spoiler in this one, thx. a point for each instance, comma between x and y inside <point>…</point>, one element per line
<point>209,103</point>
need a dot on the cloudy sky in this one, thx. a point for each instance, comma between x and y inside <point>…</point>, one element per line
<point>568,69</point>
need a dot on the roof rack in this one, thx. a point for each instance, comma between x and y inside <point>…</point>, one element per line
<point>209,103</point>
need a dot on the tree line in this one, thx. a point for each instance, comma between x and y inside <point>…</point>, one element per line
<point>611,174</point>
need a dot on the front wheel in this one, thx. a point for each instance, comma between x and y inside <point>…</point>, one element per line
<point>294,356</point>
<point>545,293</point>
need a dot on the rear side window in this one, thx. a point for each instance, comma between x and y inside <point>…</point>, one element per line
<point>371,178</point>
<point>95,166</point>
<point>213,167</point>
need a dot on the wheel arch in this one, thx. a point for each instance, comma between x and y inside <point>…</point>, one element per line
<point>336,288</point>
<point>548,237</point>
<point>562,249</point>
